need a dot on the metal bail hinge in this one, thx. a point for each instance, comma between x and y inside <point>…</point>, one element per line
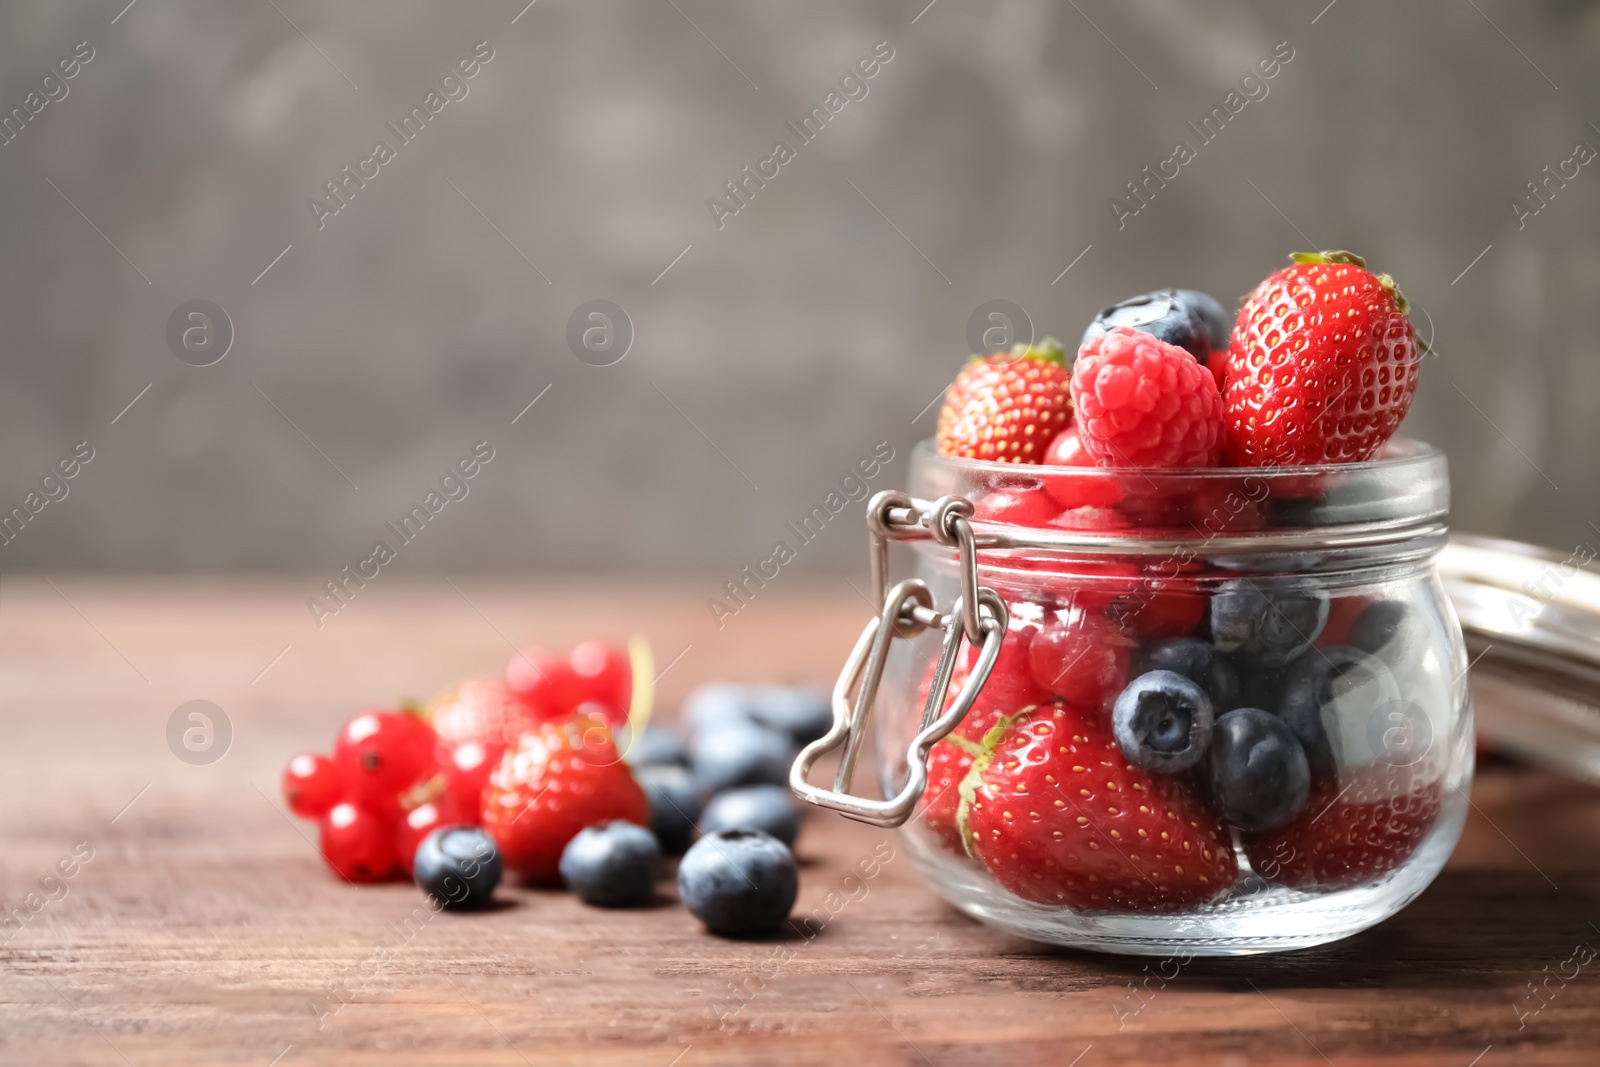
<point>907,610</point>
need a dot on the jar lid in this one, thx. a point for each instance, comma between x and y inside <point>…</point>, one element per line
<point>1531,617</point>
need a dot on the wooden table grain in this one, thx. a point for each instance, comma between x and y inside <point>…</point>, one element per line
<point>199,927</point>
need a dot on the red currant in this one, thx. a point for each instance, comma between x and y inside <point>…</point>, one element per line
<point>1018,506</point>
<point>601,673</point>
<point>1080,656</point>
<point>311,785</point>
<point>358,844</point>
<point>382,754</point>
<point>1072,489</point>
<point>543,680</point>
<point>420,821</point>
<point>1010,686</point>
<point>467,768</point>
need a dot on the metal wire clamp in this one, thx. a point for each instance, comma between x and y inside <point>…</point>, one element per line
<point>978,616</point>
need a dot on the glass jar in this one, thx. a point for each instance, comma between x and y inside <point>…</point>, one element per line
<point>1209,712</point>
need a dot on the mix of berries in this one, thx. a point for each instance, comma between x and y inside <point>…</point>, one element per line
<point>1149,795</point>
<point>1156,729</point>
<point>551,774</point>
<point>1319,366</point>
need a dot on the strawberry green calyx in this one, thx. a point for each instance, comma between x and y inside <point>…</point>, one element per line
<point>1335,256</point>
<point>1400,301</point>
<point>1330,256</point>
<point>1048,350</point>
<point>983,755</point>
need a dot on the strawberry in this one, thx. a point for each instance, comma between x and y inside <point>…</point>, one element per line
<point>559,778</point>
<point>1058,816</point>
<point>1322,365</point>
<point>948,763</point>
<point>1008,406</point>
<point>1357,825</point>
<point>1009,688</point>
<point>482,710</point>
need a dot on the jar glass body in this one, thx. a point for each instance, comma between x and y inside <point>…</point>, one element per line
<point>1316,590</point>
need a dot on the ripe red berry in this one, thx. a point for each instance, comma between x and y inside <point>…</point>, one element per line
<point>1144,403</point>
<point>1357,825</point>
<point>1059,816</point>
<point>1016,505</point>
<point>467,768</point>
<point>1322,365</point>
<point>311,785</point>
<point>482,710</point>
<point>1080,656</point>
<point>358,844</point>
<point>422,820</point>
<point>559,778</point>
<point>1010,688</point>
<point>1006,407</point>
<point>383,754</point>
<point>602,674</point>
<point>544,680</point>
<point>1078,490</point>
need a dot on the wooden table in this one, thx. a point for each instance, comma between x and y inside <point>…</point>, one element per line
<point>204,929</point>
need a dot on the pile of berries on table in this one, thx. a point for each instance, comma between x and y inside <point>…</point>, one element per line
<point>541,773</point>
<point>1127,751</point>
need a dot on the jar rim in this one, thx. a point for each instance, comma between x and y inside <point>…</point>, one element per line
<point>1398,454</point>
<point>1384,510</point>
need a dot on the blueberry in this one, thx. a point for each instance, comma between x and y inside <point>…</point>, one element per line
<point>657,747</point>
<point>1212,315</point>
<point>740,883</point>
<point>1259,775</point>
<point>715,704</point>
<point>729,754</point>
<point>1199,661</point>
<point>1377,625</point>
<point>612,864</point>
<point>1262,687</point>
<point>1329,685</point>
<point>674,805</point>
<point>758,807</point>
<point>458,866</point>
<point>1162,722</point>
<point>803,714</point>
<point>1163,314</point>
<point>1269,629</point>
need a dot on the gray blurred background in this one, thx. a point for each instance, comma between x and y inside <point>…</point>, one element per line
<point>770,354</point>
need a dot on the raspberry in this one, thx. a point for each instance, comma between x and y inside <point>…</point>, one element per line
<point>1143,403</point>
